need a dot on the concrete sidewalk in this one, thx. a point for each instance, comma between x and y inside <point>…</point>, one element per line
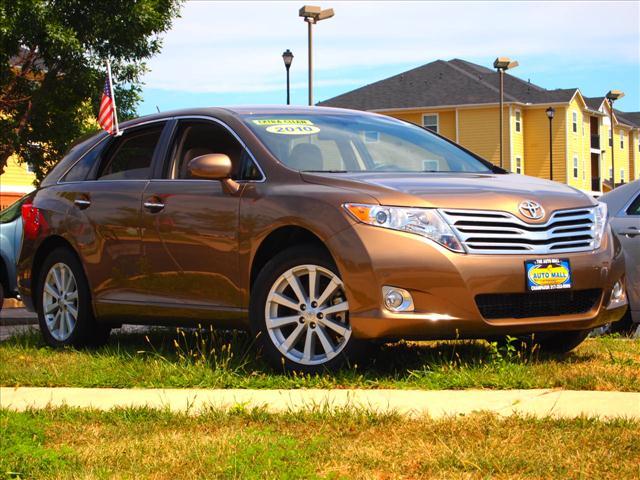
<point>412,403</point>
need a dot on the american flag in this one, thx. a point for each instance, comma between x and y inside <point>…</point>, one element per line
<point>107,115</point>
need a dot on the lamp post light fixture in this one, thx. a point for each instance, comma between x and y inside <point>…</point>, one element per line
<point>501,64</point>
<point>550,114</point>
<point>313,15</point>
<point>287,57</point>
<point>612,96</point>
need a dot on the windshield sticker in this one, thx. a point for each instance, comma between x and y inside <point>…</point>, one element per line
<point>289,129</point>
<point>282,121</point>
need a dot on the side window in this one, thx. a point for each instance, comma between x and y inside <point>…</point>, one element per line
<point>81,169</point>
<point>518,121</point>
<point>634,208</point>
<point>195,138</point>
<point>129,157</point>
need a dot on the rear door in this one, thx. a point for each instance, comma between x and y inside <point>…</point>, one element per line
<point>190,225</point>
<point>104,220</point>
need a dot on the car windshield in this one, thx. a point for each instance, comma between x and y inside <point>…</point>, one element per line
<point>358,143</point>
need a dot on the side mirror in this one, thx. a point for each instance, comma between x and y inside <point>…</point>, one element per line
<point>214,166</point>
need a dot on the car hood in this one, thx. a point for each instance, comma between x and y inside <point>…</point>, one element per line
<point>502,192</point>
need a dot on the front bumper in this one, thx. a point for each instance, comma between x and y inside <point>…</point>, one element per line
<point>444,285</point>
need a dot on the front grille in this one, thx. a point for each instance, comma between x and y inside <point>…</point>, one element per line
<point>494,232</point>
<point>537,304</point>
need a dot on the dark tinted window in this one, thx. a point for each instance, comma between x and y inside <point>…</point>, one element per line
<point>129,157</point>
<point>72,155</point>
<point>13,211</point>
<point>80,170</point>
<point>634,208</point>
<point>195,138</point>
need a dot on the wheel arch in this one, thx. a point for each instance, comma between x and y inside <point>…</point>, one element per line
<point>280,239</point>
<point>47,246</point>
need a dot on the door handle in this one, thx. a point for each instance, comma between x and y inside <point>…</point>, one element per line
<point>82,202</point>
<point>629,232</point>
<point>153,205</point>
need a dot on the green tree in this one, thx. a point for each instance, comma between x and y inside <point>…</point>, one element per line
<point>52,68</point>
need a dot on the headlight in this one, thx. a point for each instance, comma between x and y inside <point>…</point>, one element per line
<point>421,221</point>
<point>599,225</point>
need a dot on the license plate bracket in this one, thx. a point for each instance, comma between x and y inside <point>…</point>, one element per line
<point>543,274</point>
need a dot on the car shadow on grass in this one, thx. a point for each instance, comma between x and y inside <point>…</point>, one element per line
<point>234,351</point>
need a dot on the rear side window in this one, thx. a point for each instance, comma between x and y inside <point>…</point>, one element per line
<point>129,157</point>
<point>80,170</point>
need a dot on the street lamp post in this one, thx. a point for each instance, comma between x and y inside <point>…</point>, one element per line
<point>550,113</point>
<point>287,57</point>
<point>313,15</point>
<point>612,96</point>
<point>501,64</point>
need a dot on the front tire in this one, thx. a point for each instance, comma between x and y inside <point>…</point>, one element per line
<point>300,314</point>
<point>64,304</point>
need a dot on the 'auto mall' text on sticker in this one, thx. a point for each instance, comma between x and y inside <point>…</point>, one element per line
<point>548,274</point>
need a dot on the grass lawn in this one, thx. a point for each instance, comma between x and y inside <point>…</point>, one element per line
<point>143,443</point>
<point>167,358</point>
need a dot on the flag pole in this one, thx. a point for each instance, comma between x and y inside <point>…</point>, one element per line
<point>113,99</point>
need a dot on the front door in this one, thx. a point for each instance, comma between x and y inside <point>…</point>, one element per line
<point>626,225</point>
<point>595,172</point>
<point>190,226</point>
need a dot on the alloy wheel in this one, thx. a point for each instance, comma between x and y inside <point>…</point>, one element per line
<point>307,315</point>
<point>60,301</point>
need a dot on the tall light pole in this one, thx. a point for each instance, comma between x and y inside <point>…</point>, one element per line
<point>313,15</point>
<point>612,96</point>
<point>550,113</point>
<point>502,64</point>
<point>287,57</point>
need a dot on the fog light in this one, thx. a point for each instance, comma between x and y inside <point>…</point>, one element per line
<point>618,295</point>
<point>397,299</point>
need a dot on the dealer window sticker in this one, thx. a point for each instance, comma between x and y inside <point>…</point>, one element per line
<point>285,126</point>
<point>282,121</point>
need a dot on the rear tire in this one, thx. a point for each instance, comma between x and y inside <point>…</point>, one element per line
<point>298,329</point>
<point>64,308</point>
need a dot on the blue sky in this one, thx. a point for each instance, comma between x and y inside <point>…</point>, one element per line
<point>229,53</point>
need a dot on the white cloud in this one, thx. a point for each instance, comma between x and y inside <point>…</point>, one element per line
<point>236,46</point>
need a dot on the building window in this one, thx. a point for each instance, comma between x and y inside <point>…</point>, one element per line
<point>518,165</point>
<point>621,176</point>
<point>574,123</point>
<point>575,166</point>
<point>518,121</point>
<point>610,172</point>
<point>430,122</point>
<point>621,139</point>
<point>611,136</point>
<point>30,168</point>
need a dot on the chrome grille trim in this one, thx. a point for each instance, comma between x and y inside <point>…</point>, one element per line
<point>497,232</point>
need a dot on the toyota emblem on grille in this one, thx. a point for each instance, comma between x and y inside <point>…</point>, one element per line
<point>531,209</point>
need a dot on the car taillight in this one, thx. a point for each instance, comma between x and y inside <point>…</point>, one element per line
<point>32,221</point>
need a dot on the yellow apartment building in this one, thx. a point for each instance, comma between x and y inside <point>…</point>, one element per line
<point>459,100</point>
<point>17,180</point>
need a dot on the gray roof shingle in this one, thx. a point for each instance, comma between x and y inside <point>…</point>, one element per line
<point>454,82</point>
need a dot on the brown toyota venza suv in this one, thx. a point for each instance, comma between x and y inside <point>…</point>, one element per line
<point>318,229</point>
